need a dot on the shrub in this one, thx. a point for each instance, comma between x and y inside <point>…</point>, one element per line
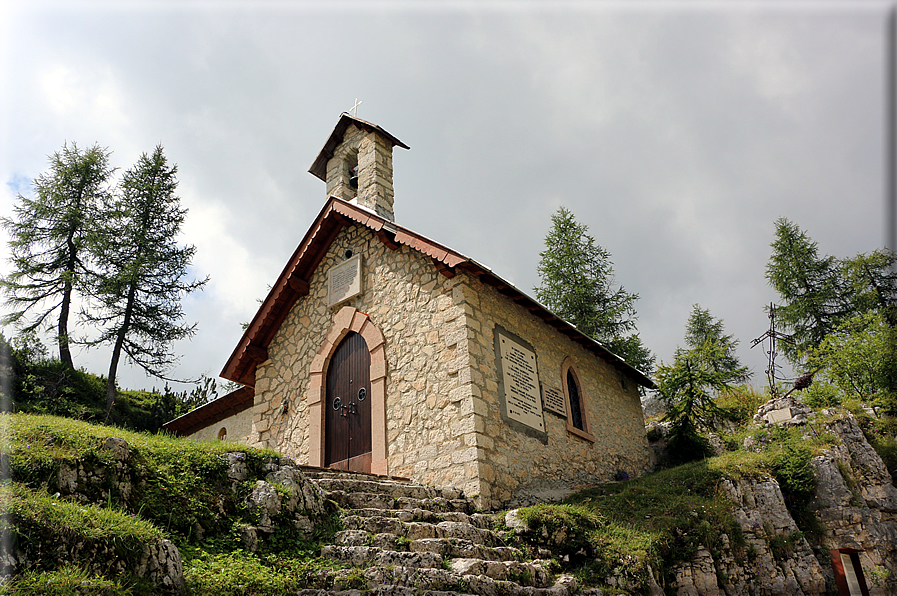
<point>793,471</point>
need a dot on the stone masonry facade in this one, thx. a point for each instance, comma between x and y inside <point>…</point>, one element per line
<point>442,402</point>
<point>518,468</point>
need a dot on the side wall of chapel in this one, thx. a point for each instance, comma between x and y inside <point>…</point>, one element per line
<point>430,422</point>
<point>237,427</point>
<point>517,467</point>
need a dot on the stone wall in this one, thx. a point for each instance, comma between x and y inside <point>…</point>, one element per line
<point>428,428</point>
<point>444,424</point>
<point>519,468</point>
<point>238,428</point>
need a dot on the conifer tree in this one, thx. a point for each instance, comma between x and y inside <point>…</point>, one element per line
<point>809,287</point>
<point>821,293</point>
<point>143,278</point>
<point>48,241</point>
<point>577,283</point>
<point>703,329</point>
<point>690,386</point>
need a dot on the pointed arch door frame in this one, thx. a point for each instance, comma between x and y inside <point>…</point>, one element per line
<point>347,319</point>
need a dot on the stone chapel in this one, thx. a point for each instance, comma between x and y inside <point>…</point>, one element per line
<point>379,350</point>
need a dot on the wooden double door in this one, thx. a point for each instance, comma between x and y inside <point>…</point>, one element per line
<point>347,429</point>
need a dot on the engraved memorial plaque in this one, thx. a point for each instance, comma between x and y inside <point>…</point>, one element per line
<point>554,401</point>
<point>344,281</point>
<point>521,383</point>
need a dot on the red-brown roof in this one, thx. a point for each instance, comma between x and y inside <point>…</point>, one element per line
<point>293,284</point>
<point>212,412</point>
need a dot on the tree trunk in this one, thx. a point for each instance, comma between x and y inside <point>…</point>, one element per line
<point>116,351</point>
<point>65,354</point>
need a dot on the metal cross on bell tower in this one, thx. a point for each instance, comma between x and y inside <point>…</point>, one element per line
<point>355,107</point>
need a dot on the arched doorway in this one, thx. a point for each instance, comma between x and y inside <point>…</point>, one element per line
<point>346,321</point>
<point>347,433</point>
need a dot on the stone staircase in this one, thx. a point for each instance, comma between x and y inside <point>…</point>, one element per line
<point>408,539</point>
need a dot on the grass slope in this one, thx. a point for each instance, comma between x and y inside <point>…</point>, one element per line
<point>614,529</point>
<point>186,497</point>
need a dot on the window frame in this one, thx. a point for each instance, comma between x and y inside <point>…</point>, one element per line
<point>568,367</point>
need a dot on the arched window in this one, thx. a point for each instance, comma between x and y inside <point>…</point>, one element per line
<point>222,434</point>
<point>577,411</point>
<point>575,401</point>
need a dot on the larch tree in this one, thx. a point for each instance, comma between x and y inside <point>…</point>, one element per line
<point>49,238</point>
<point>820,294</point>
<point>704,329</point>
<point>144,271</point>
<point>690,385</point>
<point>809,287</point>
<point>577,283</point>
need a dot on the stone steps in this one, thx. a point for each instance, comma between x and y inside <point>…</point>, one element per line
<point>414,530</point>
<point>480,520</point>
<point>412,540</point>
<point>446,547</point>
<point>368,500</point>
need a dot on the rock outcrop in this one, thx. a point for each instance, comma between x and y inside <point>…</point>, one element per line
<point>285,496</point>
<point>855,504</point>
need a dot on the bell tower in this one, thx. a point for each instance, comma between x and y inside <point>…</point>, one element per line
<point>356,164</point>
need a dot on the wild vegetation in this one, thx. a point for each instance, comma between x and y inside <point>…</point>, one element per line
<point>658,521</point>
<point>35,383</point>
<point>187,497</point>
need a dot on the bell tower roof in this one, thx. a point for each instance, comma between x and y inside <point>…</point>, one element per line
<point>319,167</point>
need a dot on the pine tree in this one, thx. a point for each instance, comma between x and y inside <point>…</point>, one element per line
<point>142,281</point>
<point>577,284</point>
<point>48,241</point>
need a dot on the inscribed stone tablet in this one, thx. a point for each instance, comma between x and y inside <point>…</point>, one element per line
<point>344,281</point>
<point>776,416</point>
<point>554,401</point>
<point>521,383</point>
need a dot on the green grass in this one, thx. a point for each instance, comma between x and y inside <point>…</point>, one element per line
<point>180,490</point>
<point>620,528</point>
<point>72,580</point>
<point>46,523</point>
<point>37,513</point>
<point>184,479</point>
<point>661,519</point>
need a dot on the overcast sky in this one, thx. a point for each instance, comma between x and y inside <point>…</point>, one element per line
<point>677,132</point>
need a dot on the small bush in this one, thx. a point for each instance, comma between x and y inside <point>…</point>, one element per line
<point>794,473</point>
<point>739,404</point>
<point>821,395</point>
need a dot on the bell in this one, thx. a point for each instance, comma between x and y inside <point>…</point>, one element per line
<point>353,179</point>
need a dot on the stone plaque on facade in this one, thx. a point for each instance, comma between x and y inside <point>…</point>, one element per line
<point>554,401</point>
<point>521,383</point>
<point>344,281</point>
